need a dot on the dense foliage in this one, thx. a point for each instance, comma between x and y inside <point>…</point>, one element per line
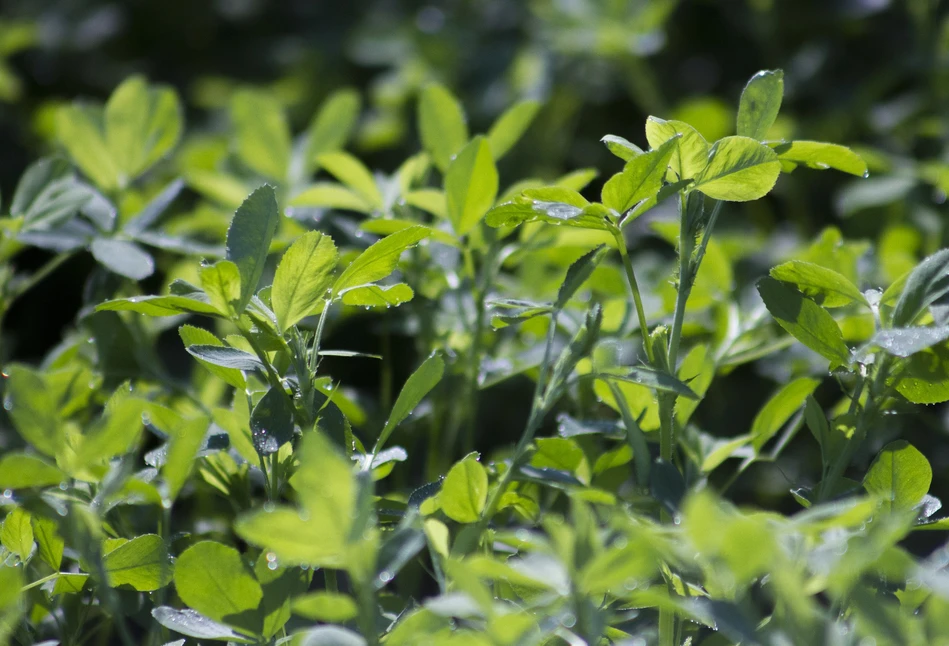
<point>328,386</point>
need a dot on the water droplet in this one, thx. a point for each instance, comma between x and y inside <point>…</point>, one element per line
<point>269,507</point>
<point>272,566</point>
<point>385,576</point>
<point>866,174</point>
<point>569,620</point>
<point>166,503</point>
<point>304,515</point>
<point>63,486</point>
<point>146,419</point>
<point>360,233</point>
<point>631,584</point>
<point>7,403</point>
<point>8,493</point>
<point>5,375</point>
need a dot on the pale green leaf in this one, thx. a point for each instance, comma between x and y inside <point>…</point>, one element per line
<point>691,154</point>
<point>739,169</point>
<point>380,259</point>
<point>441,123</point>
<point>464,491</point>
<point>354,174</point>
<point>824,286</point>
<point>471,184</point>
<point>820,155</point>
<point>303,278</point>
<point>222,283</point>
<point>510,127</point>
<point>262,132</point>
<point>213,579</point>
<point>141,563</point>
<point>900,476</point>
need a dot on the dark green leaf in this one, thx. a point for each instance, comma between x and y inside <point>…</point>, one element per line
<point>271,423</point>
<point>927,283</point>
<point>249,236</point>
<point>652,378</point>
<point>805,320</point>
<point>577,274</point>
<point>160,305</point>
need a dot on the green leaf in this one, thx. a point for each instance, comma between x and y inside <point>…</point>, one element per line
<point>329,607</point>
<point>739,169</point>
<point>222,283</point>
<point>115,433</point>
<point>47,194</point>
<point>249,236</point>
<point>29,404</point>
<point>380,259</point>
<point>194,624</point>
<point>805,320</point>
<point>142,125</point>
<point>333,124</point>
<point>824,286</point>
<point>16,534</point>
<point>441,124</point>
<point>49,543</point>
<point>552,205</point>
<point>303,278</point>
<point>263,135</point>
<point>640,179</point>
<point>416,388</point>
<point>295,541</point>
<point>141,563</point>
<point>123,257</point>
<point>159,306</point>
<point>923,378</point>
<point>225,357</point>
<point>330,196</point>
<point>926,284</point>
<point>464,491</point>
<point>779,409</point>
<point>471,184</point>
<point>186,440</point>
<point>820,155</point>
<point>510,127</point>
<point>760,103</point>
<point>691,153</point>
<point>900,476</point>
<point>329,636</point>
<point>354,174</point>
<point>22,470</point>
<point>378,296</point>
<point>577,274</point>
<point>279,585</point>
<point>652,378</point>
<point>154,208</point>
<point>213,579</point>
<point>192,336</point>
<point>79,129</point>
<point>622,148</point>
<point>271,422</point>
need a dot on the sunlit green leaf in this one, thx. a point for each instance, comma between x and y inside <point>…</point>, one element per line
<point>739,169</point>
<point>351,172</point>
<point>213,579</point>
<point>379,260</point>
<point>303,278</point>
<point>824,286</point>
<point>263,135</point>
<point>760,103</point>
<point>900,475</point>
<point>510,127</point>
<point>820,155</point>
<point>464,491</point>
<point>441,123</point>
<point>141,563</point>
<point>471,184</point>
<point>249,236</point>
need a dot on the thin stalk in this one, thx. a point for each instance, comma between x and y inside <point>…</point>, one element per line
<point>367,612</point>
<point>39,582</point>
<point>538,408</point>
<point>634,286</point>
<point>330,581</point>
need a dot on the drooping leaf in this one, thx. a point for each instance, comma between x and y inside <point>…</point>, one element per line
<point>194,624</point>
<point>820,155</point>
<point>214,580</point>
<point>303,278</point>
<point>249,236</point>
<point>263,135</point>
<point>123,257</point>
<point>416,388</point>
<point>805,320</point>
<point>900,476</point>
<point>141,563</point>
<point>271,422</point>
<point>760,103</point>
<point>464,491</point>
<point>471,184</point>
<point>379,260</point>
<point>652,378</point>
<point>378,296</point>
<point>441,123</point>
<point>824,286</point>
<point>577,274</point>
<point>351,172</point>
<point>622,148</point>
<point>739,169</point>
<point>510,127</point>
<point>160,305</point>
<point>225,357</point>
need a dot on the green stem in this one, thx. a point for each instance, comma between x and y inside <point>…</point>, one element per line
<point>39,582</point>
<point>634,286</point>
<point>330,581</point>
<point>367,612</point>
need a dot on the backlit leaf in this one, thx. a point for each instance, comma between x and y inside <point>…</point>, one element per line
<point>471,184</point>
<point>262,132</point>
<point>441,123</point>
<point>510,127</point>
<point>739,169</point>
<point>214,580</point>
<point>760,103</point>
<point>900,475</point>
<point>141,563</point>
<point>464,491</point>
<point>303,278</point>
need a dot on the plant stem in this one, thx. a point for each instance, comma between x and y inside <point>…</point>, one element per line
<point>39,582</point>
<point>367,612</point>
<point>634,286</point>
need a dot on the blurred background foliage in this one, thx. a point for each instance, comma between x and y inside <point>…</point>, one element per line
<point>870,74</point>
